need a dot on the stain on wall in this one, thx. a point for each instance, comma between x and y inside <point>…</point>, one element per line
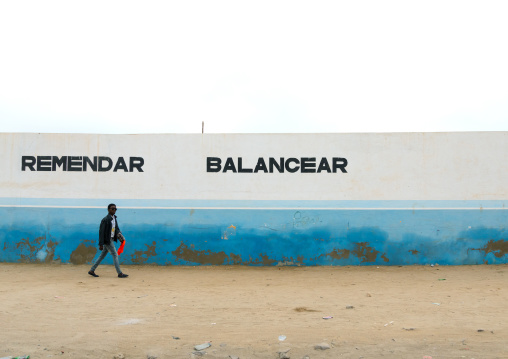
<point>189,254</point>
<point>229,232</point>
<point>36,250</point>
<point>235,258</point>
<point>365,252</point>
<point>339,253</point>
<point>263,259</point>
<point>140,257</point>
<point>499,248</point>
<point>84,253</point>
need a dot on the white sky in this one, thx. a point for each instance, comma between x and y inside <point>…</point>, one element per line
<point>253,66</point>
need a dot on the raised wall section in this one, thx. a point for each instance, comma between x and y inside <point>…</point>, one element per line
<point>258,199</point>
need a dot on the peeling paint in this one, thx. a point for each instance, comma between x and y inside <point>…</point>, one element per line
<point>290,261</point>
<point>286,264</point>
<point>364,252</point>
<point>229,232</point>
<point>339,253</point>
<point>83,254</point>
<point>235,258</point>
<point>185,253</point>
<point>50,249</point>
<point>499,248</point>
<point>32,246</point>
<point>413,251</point>
<point>263,259</point>
<point>385,258</point>
<point>38,250</point>
<point>140,257</point>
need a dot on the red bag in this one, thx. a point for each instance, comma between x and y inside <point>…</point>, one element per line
<point>120,250</point>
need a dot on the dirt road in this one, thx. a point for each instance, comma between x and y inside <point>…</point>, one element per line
<point>50,311</point>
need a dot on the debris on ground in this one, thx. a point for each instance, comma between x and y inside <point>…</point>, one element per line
<point>283,354</point>
<point>202,346</point>
<point>322,346</point>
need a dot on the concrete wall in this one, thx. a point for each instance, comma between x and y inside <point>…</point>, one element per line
<point>342,199</point>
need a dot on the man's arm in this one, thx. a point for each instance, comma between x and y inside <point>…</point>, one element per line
<point>102,228</point>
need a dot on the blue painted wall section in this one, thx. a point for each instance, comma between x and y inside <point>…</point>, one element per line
<point>259,232</point>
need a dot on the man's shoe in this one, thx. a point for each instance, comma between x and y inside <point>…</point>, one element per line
<point>121,275</point>
<point>92,273</point>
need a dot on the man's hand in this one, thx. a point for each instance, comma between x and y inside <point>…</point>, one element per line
<point>121,237</point>
<point>101,248</point>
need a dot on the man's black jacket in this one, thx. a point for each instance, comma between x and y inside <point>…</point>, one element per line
<point>105,230</point>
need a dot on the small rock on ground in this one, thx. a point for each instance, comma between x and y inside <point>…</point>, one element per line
<point>322,346</point>
<point>202,346</point>
<point>119,356</point>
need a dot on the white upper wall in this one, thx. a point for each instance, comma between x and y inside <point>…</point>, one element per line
<point>394,166</point>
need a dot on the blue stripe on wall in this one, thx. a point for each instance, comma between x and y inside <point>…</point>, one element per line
<point>296,233</point>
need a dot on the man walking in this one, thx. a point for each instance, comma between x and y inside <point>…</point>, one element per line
<point>109,232</point>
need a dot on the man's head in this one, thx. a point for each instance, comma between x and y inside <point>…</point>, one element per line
<point>112,209</point>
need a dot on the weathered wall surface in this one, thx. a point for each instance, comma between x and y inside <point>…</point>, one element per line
<point>260,199</point>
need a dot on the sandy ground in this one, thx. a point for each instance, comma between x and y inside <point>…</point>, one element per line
<point>398,312</point>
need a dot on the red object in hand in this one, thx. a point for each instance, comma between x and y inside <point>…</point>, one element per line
<point>120,250</point>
